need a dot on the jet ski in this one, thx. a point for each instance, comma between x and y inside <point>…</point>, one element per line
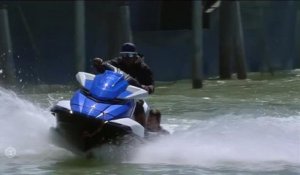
<point>100,112</point>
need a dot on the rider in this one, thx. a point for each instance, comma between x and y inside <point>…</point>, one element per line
<point>132,63</point>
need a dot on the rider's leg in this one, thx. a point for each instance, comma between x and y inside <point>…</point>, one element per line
<point>139,113</point>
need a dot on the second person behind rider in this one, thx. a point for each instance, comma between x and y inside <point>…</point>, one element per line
<point>133,64</point>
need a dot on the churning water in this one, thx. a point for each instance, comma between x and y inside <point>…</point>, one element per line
<point>229,141</point>
<point>229,127</point>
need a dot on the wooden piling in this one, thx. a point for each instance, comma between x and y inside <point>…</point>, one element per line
<point>7,67</point>
<point>125,23</point>
<point>239,48</point>
<point>226,39</point>
<point>118,27</point>
<point>266,64</point>
<point>80,35</point>
<point>197,44</point>
<point>297,38</point>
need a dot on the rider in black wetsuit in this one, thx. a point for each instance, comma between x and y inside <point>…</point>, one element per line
<point>133,64</point>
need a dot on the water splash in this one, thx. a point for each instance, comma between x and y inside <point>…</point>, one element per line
<point>23,126</point>
<point>230,141</point>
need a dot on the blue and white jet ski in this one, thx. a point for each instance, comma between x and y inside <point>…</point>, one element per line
<point>100,112</point>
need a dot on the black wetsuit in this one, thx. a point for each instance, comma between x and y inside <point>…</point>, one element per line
<point>139,71</point>
<point>141,74</point>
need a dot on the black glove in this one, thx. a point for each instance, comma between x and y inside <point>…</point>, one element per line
<point>149,88</point>
<point>98,65</point>
<point>97,61</point>
<point>132,81</point>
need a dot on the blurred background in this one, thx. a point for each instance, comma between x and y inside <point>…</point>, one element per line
<point>49,41</point>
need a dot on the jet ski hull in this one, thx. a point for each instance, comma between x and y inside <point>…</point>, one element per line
<point>83,133</point>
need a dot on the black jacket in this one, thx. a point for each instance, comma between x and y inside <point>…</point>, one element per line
<point>139,71</point>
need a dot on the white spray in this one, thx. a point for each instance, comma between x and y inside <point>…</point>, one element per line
<point>24,127</point>
<point>227,141</point>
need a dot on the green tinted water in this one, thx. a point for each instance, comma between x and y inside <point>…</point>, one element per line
<point>228,127</point>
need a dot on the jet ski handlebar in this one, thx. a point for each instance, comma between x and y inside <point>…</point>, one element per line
<point>100,65</point>
<point>130,79</point>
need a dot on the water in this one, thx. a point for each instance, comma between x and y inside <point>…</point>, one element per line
<point>229,127</point>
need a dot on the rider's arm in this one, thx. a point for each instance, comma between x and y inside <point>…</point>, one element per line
<point>98,65</point>
<point>101,65</point>
<point>148,83</point>
<point>112,65</point>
